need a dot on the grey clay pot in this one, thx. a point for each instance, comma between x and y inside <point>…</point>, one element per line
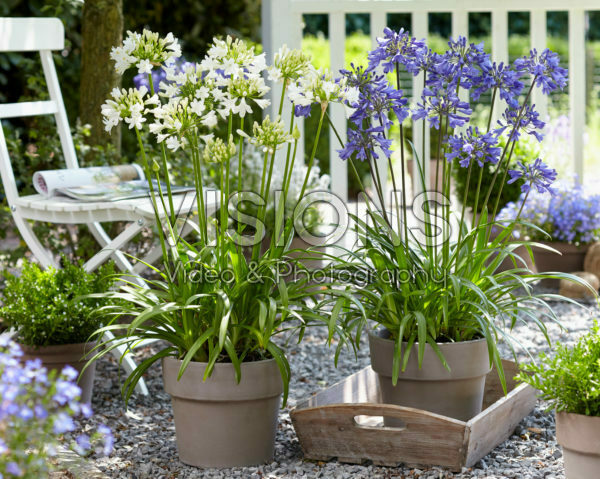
<point>457,393</point>
<point>579,437</point>
<point>570,260</point>
<point>220,423</point>
<point>57,357</point>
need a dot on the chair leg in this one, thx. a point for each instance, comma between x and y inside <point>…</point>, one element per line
<point>42,254</point>
<point>123,354</point>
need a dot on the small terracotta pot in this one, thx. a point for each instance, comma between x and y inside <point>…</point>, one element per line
<point>579,437</point>
<point>570,260</point>
<point>457,393</point>
<point>57,357</point>
<point>220,423</point>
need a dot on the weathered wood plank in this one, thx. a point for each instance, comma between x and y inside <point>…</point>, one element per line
<point>345,421</point>
<point>426,438</point>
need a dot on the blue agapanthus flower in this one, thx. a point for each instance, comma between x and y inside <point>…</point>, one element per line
<point>377,98</point>
<point>545,68</point>
<point>526,121</point>
<point>463,65</point>
<point>506,79</point>
<point>474,146</point>
<point>397,48</point>
<point>439,101</point>
<point>363,142</point>
<point>536,174</point>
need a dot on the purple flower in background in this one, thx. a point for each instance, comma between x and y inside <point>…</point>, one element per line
<point>536,174</point>
<point>160,75</point>
<point>397,48</point>
<point>363,143</point>
<point>14,469</point>
<point>528,122</point>
<point>302,111</point>
<point>474,146</point>
<point>63,423</point>
<point>572,214</point>
<point>108,438</point>
<point>546,69</point>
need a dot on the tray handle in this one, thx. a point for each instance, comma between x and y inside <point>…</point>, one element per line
<point>405,416</point>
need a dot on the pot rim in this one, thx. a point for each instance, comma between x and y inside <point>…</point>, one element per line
<point>382,351</point>
<point>578,432</point>
<point>259,379</point>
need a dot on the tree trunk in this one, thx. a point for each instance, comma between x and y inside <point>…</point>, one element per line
<point>102,28</point>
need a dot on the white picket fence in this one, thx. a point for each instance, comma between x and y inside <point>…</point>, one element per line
<point>282,24</point>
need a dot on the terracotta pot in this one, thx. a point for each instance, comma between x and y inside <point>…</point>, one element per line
<point>457,393</point>
<point>220,423</point>
<point>579,437</point>
<point>570,260</point>
<point>57,357</point>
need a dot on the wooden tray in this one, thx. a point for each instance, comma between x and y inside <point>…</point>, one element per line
<point>346,421</point>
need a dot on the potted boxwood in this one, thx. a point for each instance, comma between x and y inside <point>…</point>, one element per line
<point>217,310</point>
<point>569,381</point>
<point>438,298</point>
<point>565,224</point>
<point>51,319</point>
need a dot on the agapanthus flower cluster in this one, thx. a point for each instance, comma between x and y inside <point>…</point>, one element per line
<point>515,122</point>
<point>128,105</point>
<point>397,48</point>
<point>289,65</point>
<point>319,86</point>
<point>269,135</point>
<point>218,151</point>
<point>442,102</point>
<point>474,145</point>
<point>377,98</point>
<point>545,68</point>
<point>37,408</point>
<point>572,214</point>
<point>536,174</point>
<point>146,51</point>
<point>463,65</point>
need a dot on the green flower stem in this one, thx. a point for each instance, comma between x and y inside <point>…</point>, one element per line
<point>402,163</point>
<point>240,170</point>
<point>517,121</point>
<point>489,125</point>
<point>287,177</point>
<point>199,189</point>
<point>311,160</point>
<point>165,163</point>
<point>153,198</point>
<point>259,229</point>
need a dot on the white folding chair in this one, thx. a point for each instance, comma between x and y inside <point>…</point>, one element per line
<point>45,35</point>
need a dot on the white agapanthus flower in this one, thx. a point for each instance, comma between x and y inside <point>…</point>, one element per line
<point>268,135</point>
<point>319,86</point>
<point>289,65</point>
<point>145,50</point>
<point>127,105</point>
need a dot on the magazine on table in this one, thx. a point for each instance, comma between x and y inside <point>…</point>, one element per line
<point>98,183</point>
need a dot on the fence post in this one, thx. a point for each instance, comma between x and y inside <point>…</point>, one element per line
<point>279,26</point>
<point>577,86</point>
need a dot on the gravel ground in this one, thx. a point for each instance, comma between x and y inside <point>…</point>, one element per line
<point>145,433</point>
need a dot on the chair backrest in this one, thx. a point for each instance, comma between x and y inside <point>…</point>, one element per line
<point>29,35</point>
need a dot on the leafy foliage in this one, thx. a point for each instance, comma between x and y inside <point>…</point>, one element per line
<point>46,306</point>
<point>570,377</point>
